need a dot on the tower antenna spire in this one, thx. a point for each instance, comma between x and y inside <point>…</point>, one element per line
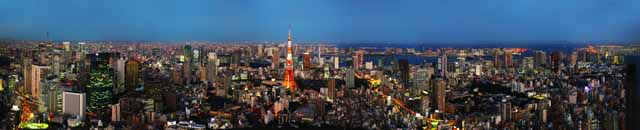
<point>289,36</point>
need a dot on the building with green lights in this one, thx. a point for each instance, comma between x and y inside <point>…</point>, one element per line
<point>101,81</point>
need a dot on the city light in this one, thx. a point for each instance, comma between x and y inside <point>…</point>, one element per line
<point>461,65</point>
<point>34,126</point>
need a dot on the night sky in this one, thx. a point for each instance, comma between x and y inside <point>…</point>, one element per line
<point>322,20</point>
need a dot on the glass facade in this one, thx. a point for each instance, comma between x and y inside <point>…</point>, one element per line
<point>101,79</point>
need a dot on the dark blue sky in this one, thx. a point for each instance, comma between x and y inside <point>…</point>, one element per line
<point>323,20</point>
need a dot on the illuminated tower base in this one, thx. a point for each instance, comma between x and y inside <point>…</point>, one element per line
<point>289,80</point>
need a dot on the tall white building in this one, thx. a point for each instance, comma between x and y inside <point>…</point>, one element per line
<point>120,73</point>
<point>74,103</point>
<point>212,66</point>
<point>336,62</point>
<point>36,75</point>
<point>478,69</point>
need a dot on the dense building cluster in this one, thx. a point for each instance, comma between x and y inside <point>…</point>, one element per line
<point>207,85</point>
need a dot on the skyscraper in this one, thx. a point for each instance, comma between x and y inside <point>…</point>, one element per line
<point>443,64</point>
<point>350,78</point>
<point>101,81</point>
<point>306,61</point>
<point>528,62</point>
<point>121,74</point>
<point>212,66</point>
<point>275,58</point>
<point>420,80</point>
<point>67,54</point>
<point>555,62</point>
<point>478,70</point>
<point>404,71</point>
<point>440,95</point>
<point>631,84</point>
<point>186,67</point>
<point>260,52</point>
<point>289,79</point>
<point>573,58</point>
<point>131,78</point>
<point>331,85</point>
<point>320,58</point>
<point>55,64</point>
<point>26,73</point>
<point>508,57</point>
<point>358,59</point>
<point>36,74</point>
<point>496,58</point>
<point>188,52</point>
<point>336,62</point>
<point>540,58</point>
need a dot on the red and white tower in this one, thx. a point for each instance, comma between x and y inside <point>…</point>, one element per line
<point>289,80</point>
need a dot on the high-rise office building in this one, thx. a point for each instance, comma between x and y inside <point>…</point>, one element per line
<point>176,75</point>
<point>331,86</point>
<point>131,78</point>
<point>54,101</point>
<point>26,73</point>
<point>212,66</point>
<point>74,103</point>
<point>632,95</point>
<point>36,74</point>
<point>573,59</point>
<point>462,64</point>
<point>496,58</point>
<point>368,65</point>
<point>336,62</point>
<point>306,61</point>
<point>443,64</point>
<point>420,79</point>
<point>478,70</point>
<point>120,74</point>
<point>275,58</point>
<point>188,52</point>
<point>55,65</point>
<point>101,81</point>
<point>358,59</point>
<point>260,51</point>
<point>320,58</point>
<point>540,58</point>
<point>508,58</point>
<point>440,94</point>
<point>186,66</point>
<point>82,48</point>
<point>67,54</point>
<point>350,78</point>
<point>555,62</point>
<point>528,62</point>
<point>196,56</point>
<point>404,71</point>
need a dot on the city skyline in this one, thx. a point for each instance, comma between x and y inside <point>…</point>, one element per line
<point>336,21</point>
<point>424,65</point>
